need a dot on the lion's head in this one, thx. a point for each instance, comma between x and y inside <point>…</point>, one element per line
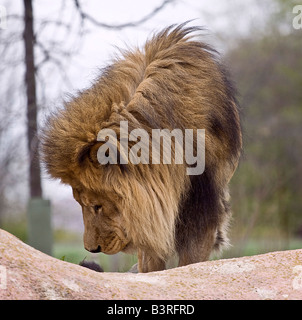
<point>103,221</point>
<point>123,213</point>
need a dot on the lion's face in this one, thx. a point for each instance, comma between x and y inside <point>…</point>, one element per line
<point>103,222</point>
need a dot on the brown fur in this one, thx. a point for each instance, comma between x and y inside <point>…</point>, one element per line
<point>156,210</point>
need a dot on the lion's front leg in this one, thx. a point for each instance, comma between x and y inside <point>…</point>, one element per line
<point>147,263</point>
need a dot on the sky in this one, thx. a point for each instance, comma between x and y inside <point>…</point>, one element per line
<point>224,21</point>
<point>97,48</point>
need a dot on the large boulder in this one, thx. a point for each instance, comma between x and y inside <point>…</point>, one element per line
<point>26,273</point>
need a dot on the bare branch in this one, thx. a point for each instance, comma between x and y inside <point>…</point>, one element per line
<point>49,57</point>
<point>86,16</point>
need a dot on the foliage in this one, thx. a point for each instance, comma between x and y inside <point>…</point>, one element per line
<point>267,186</point>
<point>16,226</point>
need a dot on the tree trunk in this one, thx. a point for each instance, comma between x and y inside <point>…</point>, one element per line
<point>30,83</point>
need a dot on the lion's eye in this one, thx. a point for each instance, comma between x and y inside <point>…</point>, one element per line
<point>97,208</point>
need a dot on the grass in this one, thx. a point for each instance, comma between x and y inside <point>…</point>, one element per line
<point>261,246</point>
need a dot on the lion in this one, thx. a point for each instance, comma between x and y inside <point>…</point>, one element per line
<point>155,210</point>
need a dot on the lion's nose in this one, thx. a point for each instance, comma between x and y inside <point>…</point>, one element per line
<point>98,249</point>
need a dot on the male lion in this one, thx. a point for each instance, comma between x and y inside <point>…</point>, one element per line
<point>156,210</point>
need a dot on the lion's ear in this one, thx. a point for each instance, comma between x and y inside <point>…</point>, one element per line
<point>88,152</point>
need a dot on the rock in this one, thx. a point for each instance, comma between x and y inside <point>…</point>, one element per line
<point>26,273</point>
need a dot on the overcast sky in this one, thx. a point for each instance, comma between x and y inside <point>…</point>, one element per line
<point>97,47</point>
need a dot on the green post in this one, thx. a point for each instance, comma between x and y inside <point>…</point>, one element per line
<point>39,225</point>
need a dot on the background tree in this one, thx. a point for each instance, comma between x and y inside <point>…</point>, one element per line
<point>267,68</point>
<point>32,109</point>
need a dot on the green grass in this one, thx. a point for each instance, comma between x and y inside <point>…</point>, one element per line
<point>260,246</point>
